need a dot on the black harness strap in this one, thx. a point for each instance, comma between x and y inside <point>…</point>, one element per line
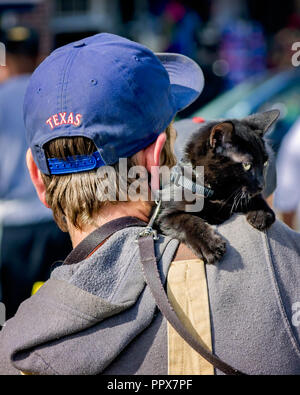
<point>90,243</point>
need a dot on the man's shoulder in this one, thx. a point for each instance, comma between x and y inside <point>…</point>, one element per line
<point>239,222</point>
<point>247,244</point>
<point>241,236</point>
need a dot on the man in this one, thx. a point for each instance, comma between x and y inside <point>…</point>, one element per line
<point>30,241</point>
<point>90,104</point>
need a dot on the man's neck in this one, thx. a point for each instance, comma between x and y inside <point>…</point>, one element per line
<point>139,210</point>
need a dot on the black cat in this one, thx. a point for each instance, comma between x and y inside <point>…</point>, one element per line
<point>234,155</point>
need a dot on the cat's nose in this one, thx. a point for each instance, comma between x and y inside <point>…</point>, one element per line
<point>260,186</point>
<point>260,183</point>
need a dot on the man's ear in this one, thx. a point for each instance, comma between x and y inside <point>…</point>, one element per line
<point>221,134</point>
<point>36,178</point>
<point>152,153</point>
<point>152,159</point>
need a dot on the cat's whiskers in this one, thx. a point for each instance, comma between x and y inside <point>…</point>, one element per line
<point>234,203</point>
<point>224,203</point>
<point>240,200</point>
<point>236,200</point>
<point>247,199</point>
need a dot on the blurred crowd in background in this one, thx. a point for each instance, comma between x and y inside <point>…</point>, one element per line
<point>231,39</point>
<point>243,46</point>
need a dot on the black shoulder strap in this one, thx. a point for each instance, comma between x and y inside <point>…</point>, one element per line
<point>152,278</point>
<point>88,245</point>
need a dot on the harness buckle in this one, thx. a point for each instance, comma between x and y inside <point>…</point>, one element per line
<point>148,231</point>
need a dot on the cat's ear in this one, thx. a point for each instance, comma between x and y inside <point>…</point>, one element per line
<point>263,121</point>
<point>221,134</point>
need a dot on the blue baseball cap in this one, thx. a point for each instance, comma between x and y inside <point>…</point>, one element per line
<point>111,90</point>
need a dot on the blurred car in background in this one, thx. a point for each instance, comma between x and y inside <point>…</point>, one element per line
<point>268,91</point>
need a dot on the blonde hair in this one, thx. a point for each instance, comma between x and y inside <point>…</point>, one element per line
<point>76,196</point>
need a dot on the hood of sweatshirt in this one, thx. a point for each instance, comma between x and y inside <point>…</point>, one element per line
<point>82,318</point>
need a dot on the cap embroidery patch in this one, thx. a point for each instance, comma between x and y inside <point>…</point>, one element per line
<point>64,118</point>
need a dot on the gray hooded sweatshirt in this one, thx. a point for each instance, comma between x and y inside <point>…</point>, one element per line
<point>98,316</point>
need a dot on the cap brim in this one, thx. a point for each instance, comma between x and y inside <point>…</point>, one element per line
<point>186,77</point>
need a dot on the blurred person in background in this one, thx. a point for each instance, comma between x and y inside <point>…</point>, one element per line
<point>30,241</point>
<point>3,74</point>
<point>182,25</point>
<point>243,49</point>
<point>287,195</point>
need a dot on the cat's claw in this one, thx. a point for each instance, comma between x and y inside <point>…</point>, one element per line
<point>261,219</point>
<point>212,250</point>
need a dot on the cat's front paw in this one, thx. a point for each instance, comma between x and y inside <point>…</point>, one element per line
<point>211,248</point>
<point>261,219</point>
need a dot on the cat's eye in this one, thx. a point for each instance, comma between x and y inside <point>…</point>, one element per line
<point>247,166</point>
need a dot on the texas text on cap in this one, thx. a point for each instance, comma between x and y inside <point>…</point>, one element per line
<point>109,89</point>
